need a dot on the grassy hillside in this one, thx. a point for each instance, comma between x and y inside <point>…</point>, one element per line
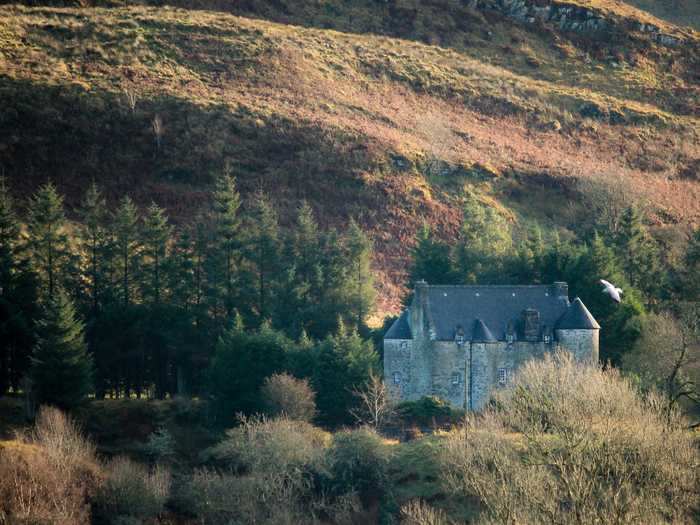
<point>390,113</point>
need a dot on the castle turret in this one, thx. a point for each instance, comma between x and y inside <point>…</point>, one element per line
<point>578,332</point>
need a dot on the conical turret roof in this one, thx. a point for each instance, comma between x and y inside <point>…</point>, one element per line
<point>481,333</point>
<point>577,317</point>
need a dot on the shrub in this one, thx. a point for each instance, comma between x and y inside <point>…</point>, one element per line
<point>47,476</point>
<point>272,446</point>
<point>132,490</point>
<point>426,411</point>
<point>286,395</point>
<point>160,445</point>
<point>417,512</point>
<point>358,461</point>
<point>572,443</point>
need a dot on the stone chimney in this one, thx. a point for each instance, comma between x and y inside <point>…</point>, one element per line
<point>418,316</point>
<point>560,289</point>
<point>531,324</point>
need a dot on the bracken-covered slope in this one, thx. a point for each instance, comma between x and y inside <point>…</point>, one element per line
<point>389,112</point>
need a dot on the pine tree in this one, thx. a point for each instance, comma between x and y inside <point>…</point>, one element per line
<point>431,260</point>
<point>127,248</point>
<point>96,245</point>
<point>162,320</point>
<point>62,370</point>
<point>227,242</point>
<point>262,250</point>
<point>620,322</point>
<point>17,298</point>
<point>155,235</point>
<point>484,242</point>
<point>344,363</point>
<point>639,254</point>
<point>361,283</point>
<point>48,240</point>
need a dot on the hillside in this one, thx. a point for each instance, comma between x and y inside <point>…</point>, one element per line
<point>391,113</point>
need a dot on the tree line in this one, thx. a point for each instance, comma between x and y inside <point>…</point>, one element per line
<point>140,307</point>
<point>490,251</point>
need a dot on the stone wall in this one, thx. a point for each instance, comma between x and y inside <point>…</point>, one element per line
<point>583,344</point>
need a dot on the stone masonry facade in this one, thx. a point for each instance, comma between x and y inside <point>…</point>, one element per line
<point>460,342</point>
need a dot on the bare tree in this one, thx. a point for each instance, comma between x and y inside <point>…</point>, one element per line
<point>131,98</point>
<point>376,408</point>
<point>158,131</point>
<point>667,356</point>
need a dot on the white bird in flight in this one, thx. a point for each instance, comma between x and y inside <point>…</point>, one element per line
<point>611,290</point>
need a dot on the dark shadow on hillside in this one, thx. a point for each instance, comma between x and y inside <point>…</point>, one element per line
<point>73,136</point>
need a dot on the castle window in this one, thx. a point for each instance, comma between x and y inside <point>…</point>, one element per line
<point>510,338</point>
<point>502,376</point>
<point>459,335</point>
<point>403,345</point>
<point>397,378</point>
<point>456,378</point>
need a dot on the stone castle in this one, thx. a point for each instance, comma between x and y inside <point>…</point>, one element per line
<point>460,342</point>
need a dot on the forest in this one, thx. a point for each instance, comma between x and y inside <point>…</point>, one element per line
<point>237,352</point>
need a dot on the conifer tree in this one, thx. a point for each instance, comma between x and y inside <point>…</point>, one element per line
<point>262,251</point>
<point>227,242</point>
<point>362,294</point>
<point>155,234</point>
<point>17,298</point>
<point>639,253</point>
<point>96,245</point>
<point>484,241</point>
<point>344,363</point>
<point>620,322</point>
<point>162,321</point>
<point>432,260</point>
<point>127,248</point>
<point>48,239</point>
<point>62,370</point>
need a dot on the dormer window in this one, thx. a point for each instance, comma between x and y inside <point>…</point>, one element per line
<point>459,336</point>
<point>510,332</point>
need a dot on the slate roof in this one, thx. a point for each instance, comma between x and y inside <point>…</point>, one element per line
<point>494,305</point>
<point>577,317</point>
<point>400,328</point>
<point>481,332</point>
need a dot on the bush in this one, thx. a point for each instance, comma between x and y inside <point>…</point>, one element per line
<point>417,512</point>
<point>428,410</point>
<point>276,460</point>
<point>572,443</point>
<point>286,395</point>
<point>160,445</point>
<point>132,490</point>
<point>272,446</point>
<point>358,461</point>
<point>48,475</point>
